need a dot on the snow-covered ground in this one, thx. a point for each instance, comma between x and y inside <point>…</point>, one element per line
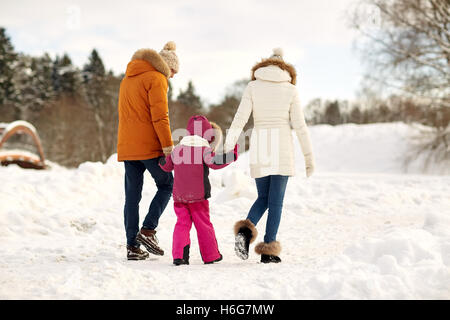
<point>360,228</point>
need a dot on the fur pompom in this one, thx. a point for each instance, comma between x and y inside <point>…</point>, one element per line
<point>278,52</point>
<point>170,46</point>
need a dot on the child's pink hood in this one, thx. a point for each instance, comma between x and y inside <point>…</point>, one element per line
<point>191,160</point>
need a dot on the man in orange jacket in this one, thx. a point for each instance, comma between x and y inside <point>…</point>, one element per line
<point>144,136</point>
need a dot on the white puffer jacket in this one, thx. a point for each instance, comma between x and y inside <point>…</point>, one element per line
<point>275,104</point>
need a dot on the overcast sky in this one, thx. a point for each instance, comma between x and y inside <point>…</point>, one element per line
<point>217,41</point>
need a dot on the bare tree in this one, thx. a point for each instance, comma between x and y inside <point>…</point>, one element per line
<point>406,44</point>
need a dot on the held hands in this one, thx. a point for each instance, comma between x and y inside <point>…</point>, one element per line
<point>167,150</point>
<point>309,165</point>
<point>235,152</point>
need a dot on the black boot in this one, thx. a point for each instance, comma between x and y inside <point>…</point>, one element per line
<point>179,262</point>
<point>266,258</point>
<point>217,260</point>
<point>245,233</point>
<point>269,251</point>
<point>185,259</point>
<point>242,242</point>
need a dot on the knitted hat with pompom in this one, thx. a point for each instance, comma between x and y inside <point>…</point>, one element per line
<point>277,53</point>
<point>169,55</point>
<point>276,59</point>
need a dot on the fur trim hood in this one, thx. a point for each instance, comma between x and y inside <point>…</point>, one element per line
<point>201,129</point>
<point>155,59</point>
<point>194,141</point>
<point>273,61</point>
<point>197,141</point>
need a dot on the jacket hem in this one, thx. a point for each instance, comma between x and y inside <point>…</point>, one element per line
<point>258,173</point>
<point>152,155</point>
<point>175,199</point>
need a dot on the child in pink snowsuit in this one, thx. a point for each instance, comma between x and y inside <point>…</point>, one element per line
<point>191,160</point>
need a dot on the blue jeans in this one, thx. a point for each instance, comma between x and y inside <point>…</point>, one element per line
<point>271,191</point>
<point>134,180</point>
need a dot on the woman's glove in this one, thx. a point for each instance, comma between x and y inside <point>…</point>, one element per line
<point>309,165</point>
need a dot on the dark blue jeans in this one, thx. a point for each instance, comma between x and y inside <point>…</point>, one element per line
<point>134,180</point>
<point>271,191</point>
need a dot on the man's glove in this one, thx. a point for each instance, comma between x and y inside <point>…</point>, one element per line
<point>167,150</point>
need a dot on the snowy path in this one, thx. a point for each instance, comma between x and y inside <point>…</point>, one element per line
<point>344,236</point>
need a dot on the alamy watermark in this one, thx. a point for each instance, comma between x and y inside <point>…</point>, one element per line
<point>73,14</point>
<point>264,145</point>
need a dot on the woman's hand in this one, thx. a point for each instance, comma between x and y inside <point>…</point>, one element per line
<point>309,165</point>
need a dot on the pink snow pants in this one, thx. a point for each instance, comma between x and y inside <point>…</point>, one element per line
<point>198,213</point>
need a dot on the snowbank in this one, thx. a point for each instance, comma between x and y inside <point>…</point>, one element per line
<point>372,148</point>
<point>358,229</point>
<point>9,126</point>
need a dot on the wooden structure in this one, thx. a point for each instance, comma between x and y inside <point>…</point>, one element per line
<point>21,157</point>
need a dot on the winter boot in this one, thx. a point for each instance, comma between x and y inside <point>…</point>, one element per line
<point>245,233</point>
<point>269,251</point>
<point>266,258</point>
<point>185,259</point>
<point>148,239</point>
<point>179,262</point>
<point>134,253</point>
<point>217,260</point>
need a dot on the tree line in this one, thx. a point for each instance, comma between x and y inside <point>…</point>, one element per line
<point>75,109</point>
<point>405,43</point>
<point>373,109</point>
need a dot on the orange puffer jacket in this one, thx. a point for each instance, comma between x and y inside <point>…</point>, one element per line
<point>144,128</point>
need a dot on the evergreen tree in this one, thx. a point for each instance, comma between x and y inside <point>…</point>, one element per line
<point>190,98</point>
<point>94,68</point>
<point>314,111</point>
<point>95,90</point>
<point>65,76</point>
<point>23,97</point>
<point>333,113</point>
<point>32,85</point>
<point>356,115</point>
<point>7,60</point>
<point>42,68</point>
<point>94,80</point>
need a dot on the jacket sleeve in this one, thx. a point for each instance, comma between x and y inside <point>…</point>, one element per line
<point>240,119</point>
<point>218,161</point>
<point>159,110</point>
<point>298,123</point>
<point>166,163</point>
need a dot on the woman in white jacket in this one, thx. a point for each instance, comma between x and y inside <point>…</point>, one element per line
<point>273,99</point>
